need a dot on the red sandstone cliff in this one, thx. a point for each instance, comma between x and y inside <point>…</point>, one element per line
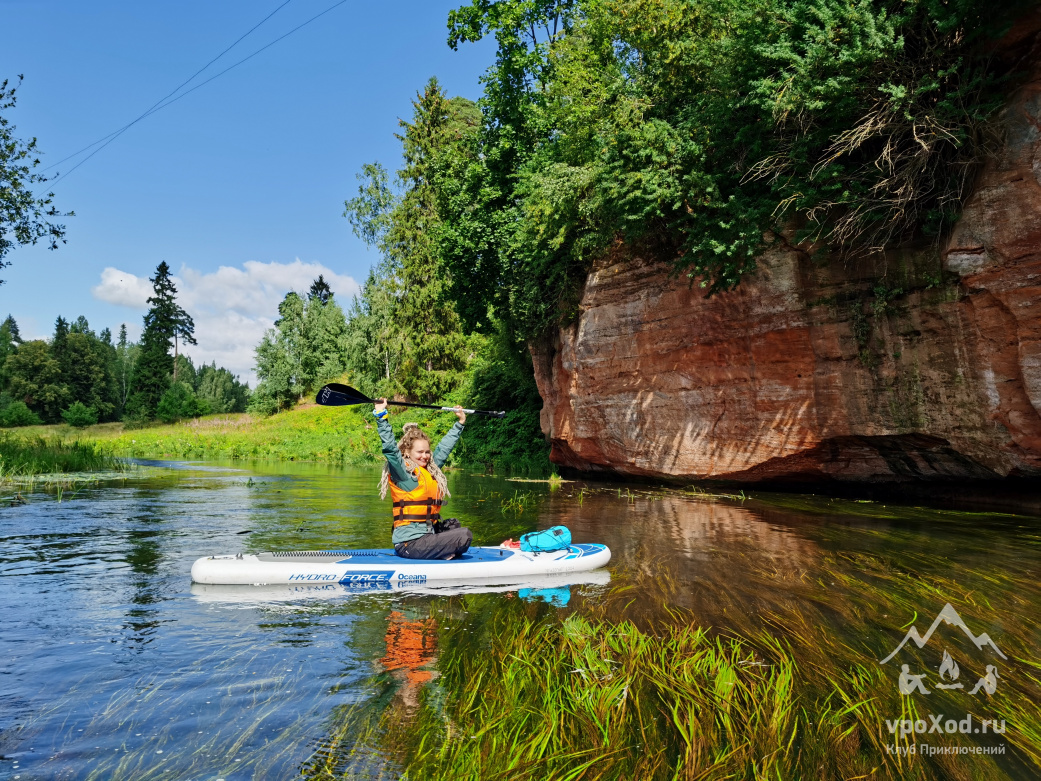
<point>912,366</point>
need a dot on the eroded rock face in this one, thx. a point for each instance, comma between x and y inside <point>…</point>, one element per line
<point>916,365</point>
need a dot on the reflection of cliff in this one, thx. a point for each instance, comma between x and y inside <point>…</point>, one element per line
<point>689,553</point>
<point>698,528</point>
<point>918,364</point>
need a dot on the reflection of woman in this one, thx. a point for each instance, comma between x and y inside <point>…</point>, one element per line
<point>418,488</point>
<point>411,651</point>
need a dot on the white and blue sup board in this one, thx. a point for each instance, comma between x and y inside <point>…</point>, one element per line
<point>382,570</point>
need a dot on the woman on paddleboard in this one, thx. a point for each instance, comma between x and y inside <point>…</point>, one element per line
<point>418,488</point>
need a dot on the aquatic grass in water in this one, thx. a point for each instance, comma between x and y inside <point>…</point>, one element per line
<point>28,457</point>
<point>789,685</point>
<point>516,503</point>
<point>582,698</point>
<point>588,698</point>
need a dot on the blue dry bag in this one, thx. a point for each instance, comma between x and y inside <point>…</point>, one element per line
<point>555,538</point>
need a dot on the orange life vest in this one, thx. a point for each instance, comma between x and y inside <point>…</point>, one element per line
<point>422,503</point>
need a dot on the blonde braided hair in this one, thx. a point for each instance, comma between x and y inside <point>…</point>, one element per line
<point>411,432</point>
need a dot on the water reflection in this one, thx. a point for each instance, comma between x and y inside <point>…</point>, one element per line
<point>112,665</point>
<point>411,642</point>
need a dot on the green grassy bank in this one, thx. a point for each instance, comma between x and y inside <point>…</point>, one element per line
<point>339,435</point>
<point>335,435</point>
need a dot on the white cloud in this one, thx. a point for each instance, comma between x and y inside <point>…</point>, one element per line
<point>231,307</point>
<point>123,289</point>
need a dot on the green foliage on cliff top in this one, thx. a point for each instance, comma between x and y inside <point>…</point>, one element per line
<point>697,131</point>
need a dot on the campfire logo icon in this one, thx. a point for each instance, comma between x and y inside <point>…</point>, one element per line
<point>948,671</point>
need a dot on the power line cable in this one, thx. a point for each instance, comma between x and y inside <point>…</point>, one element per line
<point>244,59</point>
<point>156,108</point>
<point>159,104</point>
<point>174,91</point>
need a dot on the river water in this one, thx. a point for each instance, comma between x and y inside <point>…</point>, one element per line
<point>112,666</point>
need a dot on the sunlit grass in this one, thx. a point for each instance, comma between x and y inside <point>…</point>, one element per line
<point>336,435</point>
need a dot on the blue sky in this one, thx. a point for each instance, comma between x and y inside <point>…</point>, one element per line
<point>240,185</point>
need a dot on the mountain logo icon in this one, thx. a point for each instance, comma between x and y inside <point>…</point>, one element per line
<point>949,616</point>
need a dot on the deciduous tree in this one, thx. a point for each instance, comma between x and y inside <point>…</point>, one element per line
<point>25,218</point>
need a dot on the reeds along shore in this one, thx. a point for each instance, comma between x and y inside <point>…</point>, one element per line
<point>27,457</point>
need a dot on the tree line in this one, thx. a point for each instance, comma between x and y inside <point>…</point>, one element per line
<point>698,132</point>
<point>82,377</point>
<point>402,335</point>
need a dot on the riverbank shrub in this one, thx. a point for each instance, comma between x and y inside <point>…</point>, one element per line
<point>79,415</point>
<point>501,378</point>
<point>18,414</point>
<point>179,401</point>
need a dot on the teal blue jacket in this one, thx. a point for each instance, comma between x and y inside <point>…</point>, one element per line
<point>403,479</point>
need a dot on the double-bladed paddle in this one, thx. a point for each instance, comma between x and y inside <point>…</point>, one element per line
<point>336,395</point>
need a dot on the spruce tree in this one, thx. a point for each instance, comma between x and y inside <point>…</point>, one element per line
<point>12,328</point>
<point>320,290</point>
<point>432,348</point>
<point>60,344</point>
<point>9,341</point>
<point>126,358</point>
<point>164,321</point>
<point>437,347</point>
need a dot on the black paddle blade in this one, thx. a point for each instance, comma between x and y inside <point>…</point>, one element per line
<point>336,395</point>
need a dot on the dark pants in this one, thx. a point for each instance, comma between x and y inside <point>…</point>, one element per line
<point>437,545</point>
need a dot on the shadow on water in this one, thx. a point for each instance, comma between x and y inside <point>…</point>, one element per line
<point>117,670</point>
